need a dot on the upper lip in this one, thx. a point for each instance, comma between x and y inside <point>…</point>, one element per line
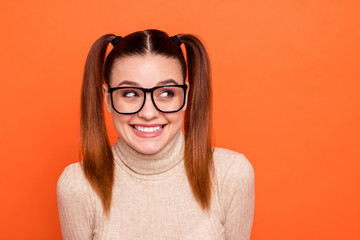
<point>147,125</point>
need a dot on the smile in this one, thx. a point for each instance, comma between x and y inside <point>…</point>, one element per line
<point>148,129</point>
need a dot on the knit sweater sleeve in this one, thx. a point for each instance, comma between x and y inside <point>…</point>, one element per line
<point>238,190</point>
<point>74,204</point>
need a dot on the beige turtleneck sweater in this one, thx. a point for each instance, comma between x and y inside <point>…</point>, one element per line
<point>152,199</point>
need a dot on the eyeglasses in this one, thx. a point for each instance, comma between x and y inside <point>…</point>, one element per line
<point>130,100</point>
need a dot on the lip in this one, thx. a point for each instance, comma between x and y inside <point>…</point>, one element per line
<point>148,134</point>
<point>147,125</point>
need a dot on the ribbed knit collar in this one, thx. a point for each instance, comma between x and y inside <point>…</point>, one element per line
<point>152,164</point>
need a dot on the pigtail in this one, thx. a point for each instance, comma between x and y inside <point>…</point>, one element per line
<point>198,121</point>
<point>95,149</point>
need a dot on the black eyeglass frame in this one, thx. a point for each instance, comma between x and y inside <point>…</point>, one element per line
<point>151,91</point>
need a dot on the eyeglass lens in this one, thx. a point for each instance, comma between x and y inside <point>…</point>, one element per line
<point>166,99</point>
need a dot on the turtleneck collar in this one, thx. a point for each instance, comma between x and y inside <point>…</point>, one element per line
<point>151,164</point>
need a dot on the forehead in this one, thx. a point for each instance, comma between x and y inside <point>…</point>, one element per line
<point>146,71</point>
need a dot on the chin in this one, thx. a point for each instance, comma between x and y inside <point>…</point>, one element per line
<point>148,143</point>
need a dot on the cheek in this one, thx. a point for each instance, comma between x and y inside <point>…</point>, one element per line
<point>175,118</point>
<point>121,122</point>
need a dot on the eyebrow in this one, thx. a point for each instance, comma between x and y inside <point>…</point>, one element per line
<point>126,82</point>
<point>165,82</point>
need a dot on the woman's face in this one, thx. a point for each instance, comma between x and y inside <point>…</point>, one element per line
<point>149,130</point>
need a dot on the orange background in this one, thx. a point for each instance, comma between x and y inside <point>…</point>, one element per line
<point>286,94</point>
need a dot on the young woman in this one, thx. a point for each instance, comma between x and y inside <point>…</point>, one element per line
<point>155,182</point>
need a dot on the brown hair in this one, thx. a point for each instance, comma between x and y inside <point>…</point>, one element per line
<point>98,163</point>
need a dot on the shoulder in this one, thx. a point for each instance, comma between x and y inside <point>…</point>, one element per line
<point>232,165</point>
<point>76,203</point>
<point>234,181</point>
<point>72,183</point>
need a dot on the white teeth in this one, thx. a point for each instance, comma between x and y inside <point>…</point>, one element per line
<point>148,129</point>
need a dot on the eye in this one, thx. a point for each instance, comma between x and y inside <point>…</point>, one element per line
<point>167,93</point>
<point>129,94</point>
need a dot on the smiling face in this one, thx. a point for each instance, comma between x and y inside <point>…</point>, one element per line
<point>149,130</point>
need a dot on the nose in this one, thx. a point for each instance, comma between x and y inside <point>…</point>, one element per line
<point>148,111</point>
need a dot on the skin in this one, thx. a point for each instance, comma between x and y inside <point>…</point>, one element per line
<point>145,71</point>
